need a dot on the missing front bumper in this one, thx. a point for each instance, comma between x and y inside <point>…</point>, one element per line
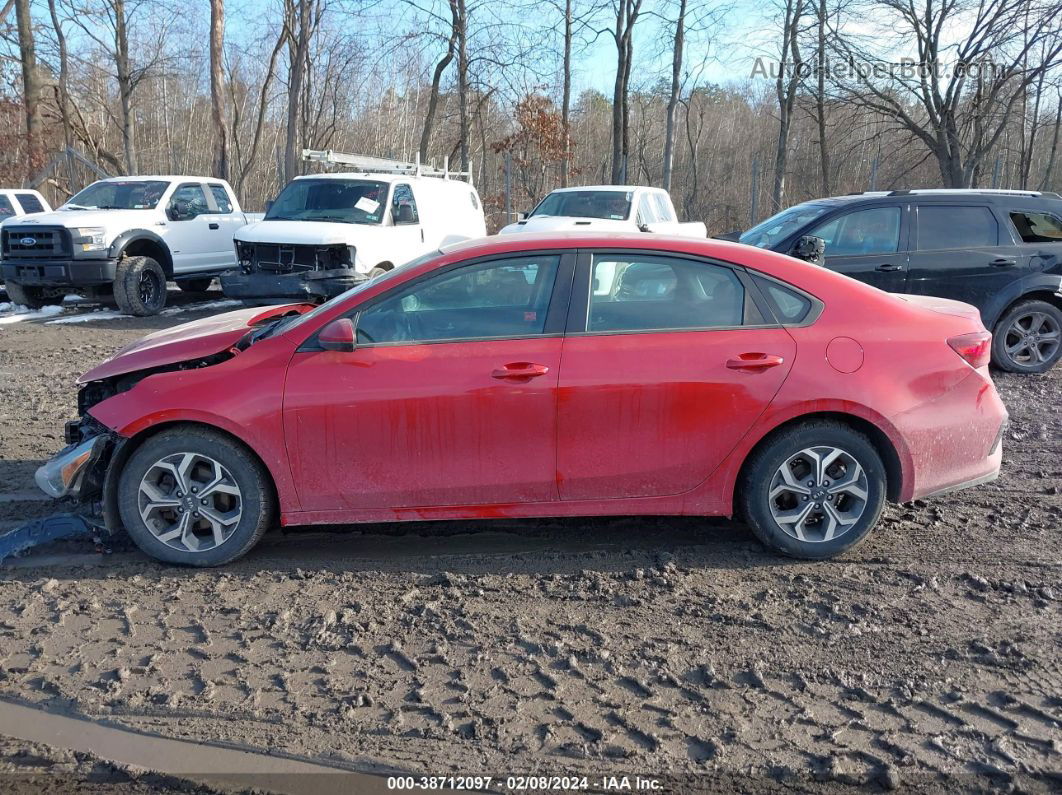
<point>319,285</point>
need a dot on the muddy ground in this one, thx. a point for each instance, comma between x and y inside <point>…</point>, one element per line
<point>930,659</point>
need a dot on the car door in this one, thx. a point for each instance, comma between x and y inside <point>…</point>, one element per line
<point>408,231</point>
<point>449,398</point>
<point>957,253</point>
<point>667,363</point>
<point>193,244</point>
<point>868,244</point>
<point>224,220</point>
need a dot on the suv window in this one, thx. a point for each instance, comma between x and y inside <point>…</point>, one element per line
<point>221,198</point>
<point>662,293</point>
<point>191,199</point>
<point>1037,227</point>
<point>403,198</point>
<point>30,203</point>
<point>6,210</point>
<point>872,231</point>
<point>500,298</point>
<point>943,227</point>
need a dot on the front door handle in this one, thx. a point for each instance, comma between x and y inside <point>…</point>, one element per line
<point>1004,262</point>
<point>517,371</point>
<point>888,266</point>
<point>215,226</point>
<point>754,361</point>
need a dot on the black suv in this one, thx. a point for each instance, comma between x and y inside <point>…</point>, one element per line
<point>998,250</point>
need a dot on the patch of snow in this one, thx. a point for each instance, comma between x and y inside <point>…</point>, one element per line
<point>88,317</point>
<point>226,304</point>
<point>18,313</point>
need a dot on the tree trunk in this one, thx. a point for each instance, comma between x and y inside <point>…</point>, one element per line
<point>217,101</point>
<point>462,81</point>
<point>627,12</point>
<point>31,84</point>
<point>820,101</point>
<point>566,96</point>
<point>672,102</point>
<point>436,80</point>
<point>124,71</point>
<point>64,97</point>
<point>300,17</point>
<point>785,88</point>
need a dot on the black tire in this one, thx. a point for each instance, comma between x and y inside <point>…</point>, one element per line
<point>196,285</point>
<point>139,286</point>
<point>213,453</point>
<point>31,297</point>
<point>1028,338</point>
<point>758,509</point>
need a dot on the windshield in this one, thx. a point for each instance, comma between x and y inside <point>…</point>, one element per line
<point>119,195</point>
<point>781,225</point>
<point>347,201</point>
<point>614,205</point>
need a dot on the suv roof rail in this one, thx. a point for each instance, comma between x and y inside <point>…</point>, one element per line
<point>382,165</point>
<point>978,191</point>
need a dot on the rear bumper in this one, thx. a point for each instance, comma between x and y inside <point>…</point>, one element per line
<point>956,441</point>
<point>304,286</point>
<point>59,273</point>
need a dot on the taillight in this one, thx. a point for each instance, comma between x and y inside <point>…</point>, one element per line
<point>975,347</point>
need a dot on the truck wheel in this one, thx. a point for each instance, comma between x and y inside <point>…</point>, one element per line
<point>193,496</point>
<point>139,286</point>
<point>32,297</point>
<point>196,285</point>
<point>1028,338</point>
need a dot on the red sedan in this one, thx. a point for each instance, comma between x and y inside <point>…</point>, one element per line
<point>526,376</point>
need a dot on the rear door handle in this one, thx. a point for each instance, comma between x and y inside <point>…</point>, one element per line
<point>1004,262</point>
<point>754,361</point>
<point>888,266</point>
<point>519,371</point>
<point>215,226</point>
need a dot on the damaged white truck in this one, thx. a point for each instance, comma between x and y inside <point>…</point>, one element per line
<point>123,238</point>
<point>326,232</point>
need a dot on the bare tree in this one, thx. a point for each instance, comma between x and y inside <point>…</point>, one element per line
<point>673,97</point>
<point>626,13</point>
<point>217,100</point>
<point>786,84</point>
<point>31,81</point>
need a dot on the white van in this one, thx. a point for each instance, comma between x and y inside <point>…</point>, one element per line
<point>325,233</point>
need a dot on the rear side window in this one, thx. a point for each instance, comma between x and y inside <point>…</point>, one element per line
<point>789,306</point>
<point>1037,227</point>
<point>872,231</point>
<point>651,293</point>
<point>941,227</point>
<point>30,203</point>
<point>221,197</point>
<point>663,207</point>
<point>6,210</point>
<point>646,211</point>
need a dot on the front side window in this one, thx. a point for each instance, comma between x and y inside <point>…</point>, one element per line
<point>6,210</point>
<point>663,207</point>
<point>646,210</point>
<point>646,293</point>
<point>404,206</point>
<point>120,194</point>
<point>345,201</point>
<point>188,201</point>
<point>1037,227</point>
<point>613,205</point>
<point>221,198</point>
<point>486,300</point>
<point>782,225</point>
<point>30,203</point>
<point>941,227</point>
<point>873,231</point>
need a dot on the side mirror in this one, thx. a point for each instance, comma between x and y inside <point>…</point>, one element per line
<point>810,249</point>
<point>521,216</point>
<point>268,205</point>
<point>179,211</point>
<point>644,227</point>
<point>337,336</point>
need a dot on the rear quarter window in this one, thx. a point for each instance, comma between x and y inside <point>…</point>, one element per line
<point>1037,227</point>
<point>788,305</point>
<point>30,203</point>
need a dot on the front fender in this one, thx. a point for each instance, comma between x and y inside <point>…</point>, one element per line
<point>119,244</point>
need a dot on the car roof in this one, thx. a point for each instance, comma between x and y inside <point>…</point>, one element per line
<point>544,241</point>
<point>160,177</point>
<point>604,188</point>
<point>948,195</point>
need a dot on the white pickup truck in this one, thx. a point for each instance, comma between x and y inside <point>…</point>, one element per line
<point>125,236</point>
<point>21,201</point>
<point>606,208</point>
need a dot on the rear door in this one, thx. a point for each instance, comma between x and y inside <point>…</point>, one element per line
<point>868,244</point>
<point>961,252</point>
<point>667,363</point>
<point>224,219</point>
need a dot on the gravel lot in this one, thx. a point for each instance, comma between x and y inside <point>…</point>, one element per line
<point>929,659</point>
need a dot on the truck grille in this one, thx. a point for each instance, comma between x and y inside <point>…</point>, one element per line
<point>284,258</point>
<point>35,242</point>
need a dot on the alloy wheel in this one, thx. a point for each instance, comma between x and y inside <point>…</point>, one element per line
<point>818,494</point>
<point>148,288</point>
<point>190,502</point>
<point>1033,338</point>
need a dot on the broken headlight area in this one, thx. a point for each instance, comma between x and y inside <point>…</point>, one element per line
<point>76,470</point>
<point>284,258</point>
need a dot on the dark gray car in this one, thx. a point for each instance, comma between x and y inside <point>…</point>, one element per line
<point>998,250</point>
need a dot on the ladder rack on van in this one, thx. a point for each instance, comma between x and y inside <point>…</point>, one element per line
<point>382,165</point>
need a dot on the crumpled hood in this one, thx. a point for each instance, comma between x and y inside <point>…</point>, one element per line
<point>315,233</point>
<point>188,341</point>
<point>565,223</point>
